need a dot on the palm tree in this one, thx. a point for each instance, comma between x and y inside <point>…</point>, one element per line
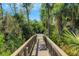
<point>48,19</point>
<point>71,11</point>
<point>58,13</point>
<point>28,8</point>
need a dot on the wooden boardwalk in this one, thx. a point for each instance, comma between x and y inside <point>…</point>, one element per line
<point>42,49</point>
<point>39,45</point>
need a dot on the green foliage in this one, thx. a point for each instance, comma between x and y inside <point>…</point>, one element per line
<point>57,8</point>
<point>72,41</point>
<point>68,37</point>
<point>18,31</point>
<point>38,27</point>
<point>19,28</point>
<point>3,50</point>
<point>53,33</point>
<point>1,39</point>
<point>68,41</point>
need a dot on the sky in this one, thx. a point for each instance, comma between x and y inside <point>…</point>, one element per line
<point>34,12</point>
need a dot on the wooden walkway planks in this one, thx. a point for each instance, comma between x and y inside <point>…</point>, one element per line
<point>42,49</point>
<point>46,47</point>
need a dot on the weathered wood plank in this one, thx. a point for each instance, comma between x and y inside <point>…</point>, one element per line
<point>18,51</point>
<point>54,49</point>
<point>51,48</point>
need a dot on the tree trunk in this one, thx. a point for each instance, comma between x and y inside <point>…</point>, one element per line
<point>48,18</point>
<point>1,12</point>
<point>27,12</point>
<point>73,21</point>
<point>59,24</point>
<point>14,8</point>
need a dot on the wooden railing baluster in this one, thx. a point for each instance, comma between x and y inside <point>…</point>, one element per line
<point>37,47</point>
<point>25,52</point>
<point>27,48</point>
<point>54,50</point>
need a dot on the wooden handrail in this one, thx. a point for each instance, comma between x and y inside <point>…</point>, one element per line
<point>26,48</point>
<point>54,50</point>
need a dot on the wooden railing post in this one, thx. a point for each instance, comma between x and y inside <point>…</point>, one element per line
<point>26,51</point>
<point>54,50</point>
<point>37,47</point>
<point>26,48</point>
